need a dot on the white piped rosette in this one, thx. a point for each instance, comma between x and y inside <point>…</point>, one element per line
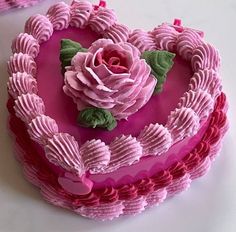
<point>95,156</point>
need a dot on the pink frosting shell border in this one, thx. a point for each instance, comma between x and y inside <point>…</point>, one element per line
<point>188,43</point>
<point>132,199</point>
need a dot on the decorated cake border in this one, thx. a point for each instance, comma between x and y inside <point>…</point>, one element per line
<point>109,203</point>
<point>194,107</point>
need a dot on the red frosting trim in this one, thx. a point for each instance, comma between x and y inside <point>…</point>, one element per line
<point>172,176</point>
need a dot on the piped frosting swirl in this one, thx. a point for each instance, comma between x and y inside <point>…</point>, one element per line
<point>80,13</point>
<point>187,41</point>
<point>42,128</point>
<point>117,33</point>
<point>95,155</point>
<point>165,37</point>
<point>182,122</point>
<point>207,80</point>
<point>21,83</point>
<point>205,56</point>
<point>28,106</point>
<point>102,19</point>
<point>144,41</point>
<point>20,62</point>
<point>63,150</point>
<point>59,15</point>
<point>39,27</point>
<point>200,101</point>
<point>26,44</point>
<point>155,139</point>
<point>125,150</point>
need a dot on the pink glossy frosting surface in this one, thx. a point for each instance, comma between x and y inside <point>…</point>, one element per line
<point>50,83</point>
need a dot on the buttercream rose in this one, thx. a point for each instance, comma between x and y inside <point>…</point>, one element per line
<point>110,76</point>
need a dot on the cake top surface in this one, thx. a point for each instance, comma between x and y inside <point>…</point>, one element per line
<point>111,77</point>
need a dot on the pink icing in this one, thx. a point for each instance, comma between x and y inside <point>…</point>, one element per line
<point>125,151</point>
<point>165,37</point>
<point>80,13</point>
<point>42,128</point>
<point>59,15</point>
<point>20,62</point>
<point>155,139</point>
<point>156,197</point>
<point>135,206</point>
<point>26,44</point>
<point>182,123</point>
<point>39,27</point>
<point>21,83</point>
<point>187,41</point>
<point>102,19</point>
<point>63,150</point>
<point>201,169</point>
<point>205,56</point>
<point>95,155</point>
<point>73,185</point>
<point>28,106</point>
<point>106,211</point>
<point>207,80</point>
<point>200,101</point>
<point>93,79</point>
<point>179,185</point>
<point>144,41</point>
<point>117,33</point>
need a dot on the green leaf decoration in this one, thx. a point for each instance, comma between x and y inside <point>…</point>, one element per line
<point>96,117</point>
<point>68,50</point>
<point>160,62</point>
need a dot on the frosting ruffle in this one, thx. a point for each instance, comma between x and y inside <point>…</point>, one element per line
<point>144,41</point>
<point>125,151</point>
<point>207,80</point>
<point>102,19</point>
<point>20,62</point>
<point>117,33</point>
<point>28,106</point>
<point>205,56</point>
<point>155,139</point>
<point>63,150</point>
<point>59,15</point>
<point>42,128</point>
<point>80,13</point>
<point>199,101</point>
<point>135,206</point>
<point>39,27</point>
<point>25,43</point>
<point>187,41</point>
<point>165,37</point>
<point>95,155</point>
<point>21,83</point>
<point>182,123</point>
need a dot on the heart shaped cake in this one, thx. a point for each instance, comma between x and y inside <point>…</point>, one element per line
<point>108,121</point>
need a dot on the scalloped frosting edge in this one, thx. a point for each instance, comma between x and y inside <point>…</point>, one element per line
<point>165,34</point>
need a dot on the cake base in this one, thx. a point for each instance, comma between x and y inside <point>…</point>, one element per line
<point>131,199</point>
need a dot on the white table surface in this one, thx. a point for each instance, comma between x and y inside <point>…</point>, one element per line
<point>209,205</point>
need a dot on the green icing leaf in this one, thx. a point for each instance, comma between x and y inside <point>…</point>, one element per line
<point>160,62</point>
<point>68,50</point>
<point>96,117</point>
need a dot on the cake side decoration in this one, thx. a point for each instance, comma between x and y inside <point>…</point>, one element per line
<point>26,44</point>
<point>21,83</point>
<point>40,27</point>
<point>70,187</point>
<point>59,15</point>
